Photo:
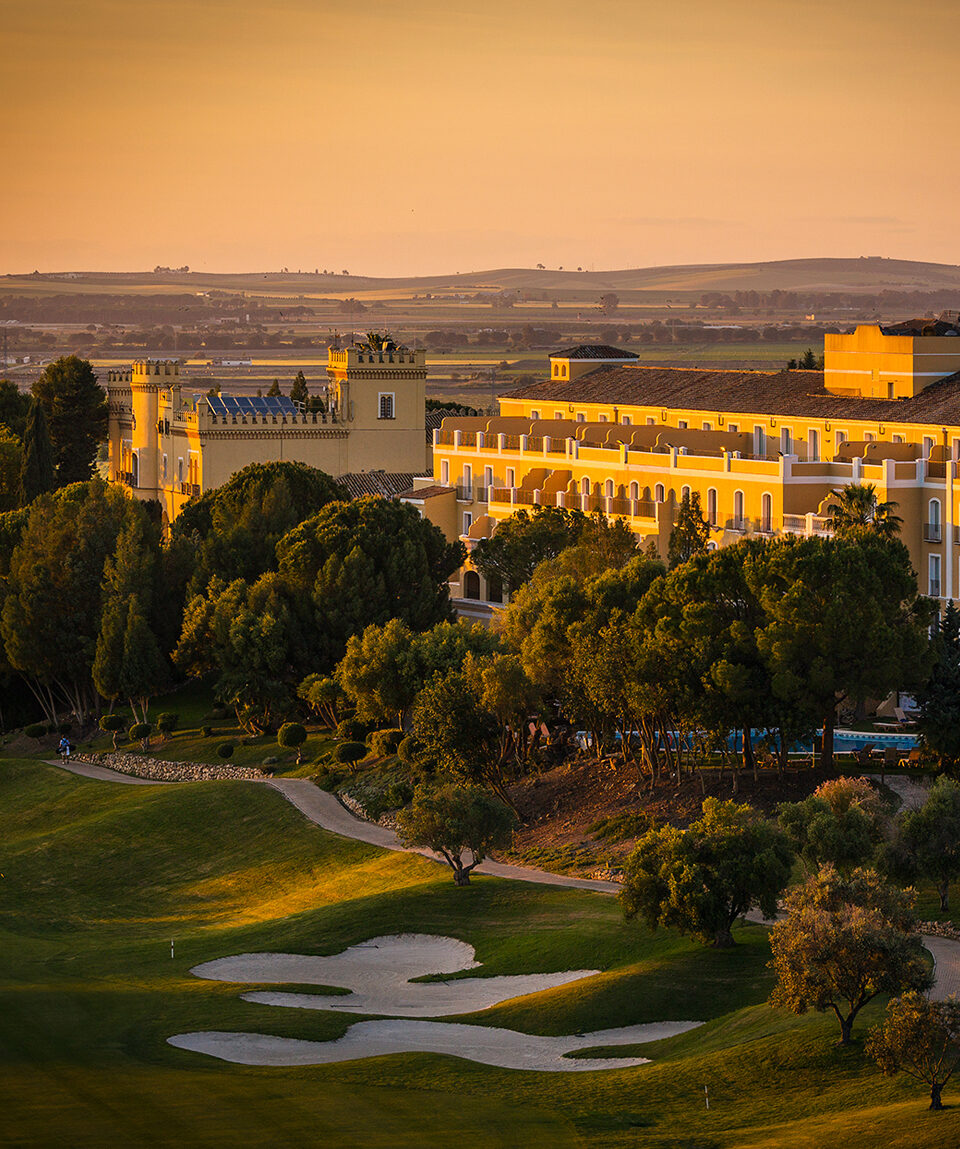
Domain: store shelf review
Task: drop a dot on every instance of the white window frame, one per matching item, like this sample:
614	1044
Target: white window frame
467	521
813	445
933	576
386	399
445	472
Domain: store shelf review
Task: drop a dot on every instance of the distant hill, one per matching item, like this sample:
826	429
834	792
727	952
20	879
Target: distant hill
868	275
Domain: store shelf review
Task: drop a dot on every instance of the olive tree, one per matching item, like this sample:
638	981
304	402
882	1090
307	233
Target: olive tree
457	819
920	1037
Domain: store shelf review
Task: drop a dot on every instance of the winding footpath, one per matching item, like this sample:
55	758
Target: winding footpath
323	809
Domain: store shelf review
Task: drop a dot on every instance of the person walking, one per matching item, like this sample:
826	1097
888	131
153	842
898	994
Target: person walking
65	747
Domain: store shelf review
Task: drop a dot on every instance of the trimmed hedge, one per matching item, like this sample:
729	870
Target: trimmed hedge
350	730
384	742
349	752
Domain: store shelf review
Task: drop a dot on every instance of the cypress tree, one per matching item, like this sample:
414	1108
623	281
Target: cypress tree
299	392
37	472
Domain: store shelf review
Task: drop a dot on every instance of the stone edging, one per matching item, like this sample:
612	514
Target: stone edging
940	930
359	811
140	766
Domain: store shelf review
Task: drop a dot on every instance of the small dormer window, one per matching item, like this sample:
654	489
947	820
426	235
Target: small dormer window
386	406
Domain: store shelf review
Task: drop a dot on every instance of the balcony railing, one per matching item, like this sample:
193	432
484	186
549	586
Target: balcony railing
127	478
934	591
931	532
190	489
465	494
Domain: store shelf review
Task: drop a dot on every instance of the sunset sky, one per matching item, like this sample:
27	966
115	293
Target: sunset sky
421	136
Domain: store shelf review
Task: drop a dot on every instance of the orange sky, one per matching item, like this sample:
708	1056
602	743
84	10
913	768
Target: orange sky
419	136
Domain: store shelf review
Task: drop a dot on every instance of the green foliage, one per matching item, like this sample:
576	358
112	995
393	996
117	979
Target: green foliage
38	473
844	941
456	818
525	540
236	527
351	730
349	752
14	407
51	614
225	750
408	751
76	409
927	843
366	562
920	1037
206	731
385	668
298	390
291	736
855	510
35	730
322	693
384	742
167	722
11	456
700	880
112	724
140	732
840	823
939	698
690	532
252	638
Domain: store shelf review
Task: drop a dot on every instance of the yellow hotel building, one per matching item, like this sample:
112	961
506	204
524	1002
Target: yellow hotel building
764	449
169	445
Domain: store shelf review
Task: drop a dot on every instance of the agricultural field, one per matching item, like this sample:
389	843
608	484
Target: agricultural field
98	879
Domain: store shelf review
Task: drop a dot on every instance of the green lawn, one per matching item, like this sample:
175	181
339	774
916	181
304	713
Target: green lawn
98	878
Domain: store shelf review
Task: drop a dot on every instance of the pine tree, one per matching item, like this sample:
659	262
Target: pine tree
76	408
690	533
299	392
142	670
37	472
939	700
275	388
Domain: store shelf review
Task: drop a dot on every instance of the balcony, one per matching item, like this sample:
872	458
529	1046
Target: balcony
189	489
931	532
127	478
934	591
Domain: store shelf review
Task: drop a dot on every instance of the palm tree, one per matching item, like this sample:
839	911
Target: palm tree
856	509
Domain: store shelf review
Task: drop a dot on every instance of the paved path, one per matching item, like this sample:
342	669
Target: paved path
325	811
910	793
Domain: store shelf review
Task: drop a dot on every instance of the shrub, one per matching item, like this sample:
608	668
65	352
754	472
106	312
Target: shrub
167	723
206	731
225	749
384	742
64	727
35	730
112	724
349	752
351	730
140	732
270	760
408	750
291	736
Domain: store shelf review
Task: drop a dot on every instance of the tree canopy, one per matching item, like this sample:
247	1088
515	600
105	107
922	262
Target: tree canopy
525	540
76	409
700	880
921	1038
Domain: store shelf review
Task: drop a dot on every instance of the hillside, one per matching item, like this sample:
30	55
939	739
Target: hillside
863	275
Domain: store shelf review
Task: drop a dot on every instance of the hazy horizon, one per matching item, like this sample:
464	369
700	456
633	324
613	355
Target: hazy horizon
434	138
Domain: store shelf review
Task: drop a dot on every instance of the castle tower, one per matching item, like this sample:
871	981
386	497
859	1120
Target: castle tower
376	389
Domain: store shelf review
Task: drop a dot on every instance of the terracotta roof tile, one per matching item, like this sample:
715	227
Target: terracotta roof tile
593	351
787	393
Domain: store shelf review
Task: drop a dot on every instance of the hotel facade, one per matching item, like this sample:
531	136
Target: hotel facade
764	450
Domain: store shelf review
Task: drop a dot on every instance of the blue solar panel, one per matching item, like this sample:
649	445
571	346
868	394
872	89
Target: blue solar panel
258	405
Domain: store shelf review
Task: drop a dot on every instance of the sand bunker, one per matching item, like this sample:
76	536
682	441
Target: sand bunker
501	1047
378	972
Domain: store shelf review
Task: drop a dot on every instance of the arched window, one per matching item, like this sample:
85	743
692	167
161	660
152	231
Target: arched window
471	584
659	493
932	532
626	420
494	589
445	472
712	506
927	446
488	476
813	445
766	513
584	486
135	468
684	493
608	488
786	442
634	490
738	523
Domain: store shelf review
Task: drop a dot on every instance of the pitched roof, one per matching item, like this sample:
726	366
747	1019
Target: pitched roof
939	326
386	483
593	351
786	393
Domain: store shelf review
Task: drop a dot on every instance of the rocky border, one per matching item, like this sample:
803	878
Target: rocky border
140	766
358	809
940	930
